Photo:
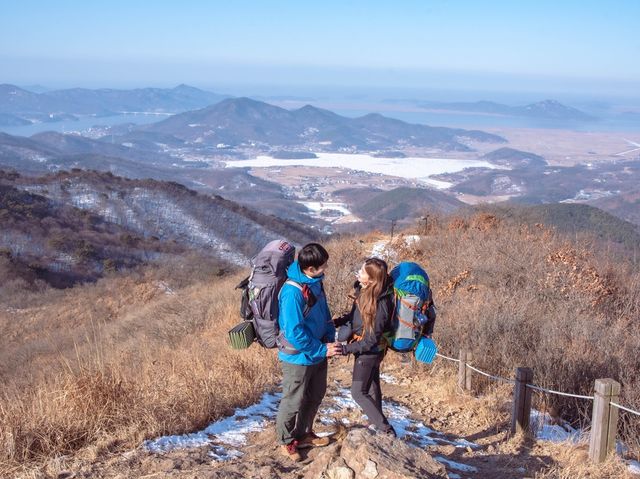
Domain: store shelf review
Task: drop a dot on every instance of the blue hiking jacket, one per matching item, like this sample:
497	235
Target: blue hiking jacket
308	335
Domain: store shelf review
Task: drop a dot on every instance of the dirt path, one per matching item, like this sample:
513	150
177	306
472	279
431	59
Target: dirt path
420	402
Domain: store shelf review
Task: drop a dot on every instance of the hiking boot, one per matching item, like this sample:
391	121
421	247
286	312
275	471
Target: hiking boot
311	439
291	451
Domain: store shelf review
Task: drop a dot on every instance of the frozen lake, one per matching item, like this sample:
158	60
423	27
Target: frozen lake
413	168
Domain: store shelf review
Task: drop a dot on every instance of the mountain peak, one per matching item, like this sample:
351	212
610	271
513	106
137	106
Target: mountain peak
244	105
310	111
309	107
546	104
242	120
8	89
556	110
242	100
184	87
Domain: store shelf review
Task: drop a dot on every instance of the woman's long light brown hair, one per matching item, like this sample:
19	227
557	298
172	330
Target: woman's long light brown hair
368	299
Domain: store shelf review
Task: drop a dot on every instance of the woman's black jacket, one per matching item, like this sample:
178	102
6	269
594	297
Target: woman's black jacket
351	325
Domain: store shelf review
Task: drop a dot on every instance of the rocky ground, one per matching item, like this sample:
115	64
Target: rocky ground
442	433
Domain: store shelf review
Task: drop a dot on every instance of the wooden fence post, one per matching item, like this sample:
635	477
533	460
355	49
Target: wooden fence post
464	373
604	421
462	369
468	373
521	401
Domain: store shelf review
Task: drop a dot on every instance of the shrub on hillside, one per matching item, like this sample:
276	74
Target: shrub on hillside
516	295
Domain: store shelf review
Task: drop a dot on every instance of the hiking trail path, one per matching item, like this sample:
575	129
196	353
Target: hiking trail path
243	445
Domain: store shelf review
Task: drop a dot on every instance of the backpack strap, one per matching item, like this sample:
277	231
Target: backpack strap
295	284
308	296
407	304
309	301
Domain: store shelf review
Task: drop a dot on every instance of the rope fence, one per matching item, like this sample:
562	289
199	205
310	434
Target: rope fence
497	378
559	393
605	405
624	408
448	358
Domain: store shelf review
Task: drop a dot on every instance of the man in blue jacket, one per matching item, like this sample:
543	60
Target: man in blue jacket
306	341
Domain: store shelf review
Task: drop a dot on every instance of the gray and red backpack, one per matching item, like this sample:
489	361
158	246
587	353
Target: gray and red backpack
261	289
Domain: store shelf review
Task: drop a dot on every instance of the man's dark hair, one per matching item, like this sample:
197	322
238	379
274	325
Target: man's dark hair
312	254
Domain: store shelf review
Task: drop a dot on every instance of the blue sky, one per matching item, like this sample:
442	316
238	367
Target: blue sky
369	43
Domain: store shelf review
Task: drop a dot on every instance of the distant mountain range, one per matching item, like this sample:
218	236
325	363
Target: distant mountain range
51	151
243	121
7	119
611	186
81	222
27	105
546	109
19	106
142	158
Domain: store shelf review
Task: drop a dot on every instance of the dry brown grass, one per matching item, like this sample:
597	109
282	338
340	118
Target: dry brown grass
524	296
491	411
102	367
138	365
573	463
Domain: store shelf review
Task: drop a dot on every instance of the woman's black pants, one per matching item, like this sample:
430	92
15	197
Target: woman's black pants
365	390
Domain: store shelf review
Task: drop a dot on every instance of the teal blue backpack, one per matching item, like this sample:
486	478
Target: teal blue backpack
414	314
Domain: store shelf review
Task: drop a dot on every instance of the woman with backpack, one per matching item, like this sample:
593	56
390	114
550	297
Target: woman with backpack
363	328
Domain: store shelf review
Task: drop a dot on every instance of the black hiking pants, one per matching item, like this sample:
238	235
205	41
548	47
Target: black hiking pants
303	388
365	390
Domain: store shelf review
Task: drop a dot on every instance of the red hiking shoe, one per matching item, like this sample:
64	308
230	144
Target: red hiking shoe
291	451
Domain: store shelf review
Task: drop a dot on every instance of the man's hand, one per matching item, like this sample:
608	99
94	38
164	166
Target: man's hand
334	349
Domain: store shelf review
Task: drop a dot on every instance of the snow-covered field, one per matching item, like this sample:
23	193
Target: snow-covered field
411	168
584	195
319	206
332	212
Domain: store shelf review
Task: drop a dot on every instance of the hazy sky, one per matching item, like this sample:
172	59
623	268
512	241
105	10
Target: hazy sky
458	43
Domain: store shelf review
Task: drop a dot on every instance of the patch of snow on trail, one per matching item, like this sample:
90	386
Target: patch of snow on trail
412	430
455	465
388	378
231	431
227	435
384	249
379	250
